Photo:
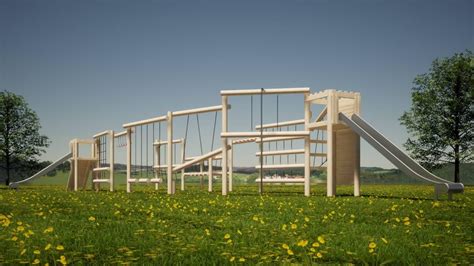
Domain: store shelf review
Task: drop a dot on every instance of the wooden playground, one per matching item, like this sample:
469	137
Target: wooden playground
328	140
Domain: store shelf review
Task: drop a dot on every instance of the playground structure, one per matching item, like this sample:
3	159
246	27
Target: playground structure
336	130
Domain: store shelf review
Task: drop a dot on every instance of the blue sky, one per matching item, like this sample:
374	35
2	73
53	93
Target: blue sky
87	66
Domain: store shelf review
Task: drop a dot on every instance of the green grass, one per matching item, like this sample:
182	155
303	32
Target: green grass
196	227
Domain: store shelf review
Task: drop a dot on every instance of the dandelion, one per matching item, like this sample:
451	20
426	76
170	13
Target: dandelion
319	255
232	259
48	230
290	252
372	245
242	259
321	240
239	232
59	247
227	236
48	246
14	238
283	227
285	246
294	226
36	261
315	244
23	251
306	219
92	219
208	233
63	260
37	252
302	243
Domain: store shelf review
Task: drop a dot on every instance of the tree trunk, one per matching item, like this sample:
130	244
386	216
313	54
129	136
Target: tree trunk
457	164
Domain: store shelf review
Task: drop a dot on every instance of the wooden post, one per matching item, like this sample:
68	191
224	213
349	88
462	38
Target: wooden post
169	160
224	146
129	159
76	169
156	150
231	165
183	147
357	150
307	149
210	175
112	160
331	144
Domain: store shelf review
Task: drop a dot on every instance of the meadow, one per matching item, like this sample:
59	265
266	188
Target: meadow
388	224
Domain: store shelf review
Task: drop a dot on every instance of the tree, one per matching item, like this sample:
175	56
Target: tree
441	119
20	140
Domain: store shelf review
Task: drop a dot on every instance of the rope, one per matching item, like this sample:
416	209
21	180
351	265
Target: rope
186	136
199	131
214	131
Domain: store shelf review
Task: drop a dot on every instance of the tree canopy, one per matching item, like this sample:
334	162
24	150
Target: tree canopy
20	140
441	119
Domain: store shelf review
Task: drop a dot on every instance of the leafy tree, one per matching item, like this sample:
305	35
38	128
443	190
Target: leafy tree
20	140
441	119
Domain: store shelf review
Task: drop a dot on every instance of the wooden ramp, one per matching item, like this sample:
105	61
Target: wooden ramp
84	170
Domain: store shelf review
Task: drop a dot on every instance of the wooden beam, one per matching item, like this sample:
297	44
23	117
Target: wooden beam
123	133
265	134
165	142
198	159
265	91
317	95
285	166
317	125
101	134
242	141
282	124
145	121
216	108
283	180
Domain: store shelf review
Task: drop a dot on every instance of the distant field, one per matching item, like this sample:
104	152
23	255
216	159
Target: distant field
389	224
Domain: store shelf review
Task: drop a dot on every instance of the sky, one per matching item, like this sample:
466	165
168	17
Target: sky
88	66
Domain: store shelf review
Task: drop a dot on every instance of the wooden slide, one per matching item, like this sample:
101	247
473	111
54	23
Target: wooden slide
84	170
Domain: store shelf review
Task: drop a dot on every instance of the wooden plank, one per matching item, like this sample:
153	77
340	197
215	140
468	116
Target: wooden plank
216	108
100	181
123	133
100	169
317	125
165	142
265	91
284	166
280	152
101	134
283	180
242	141
198	159
317	95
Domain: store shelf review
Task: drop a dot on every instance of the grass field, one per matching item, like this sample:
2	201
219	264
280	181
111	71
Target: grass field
391	224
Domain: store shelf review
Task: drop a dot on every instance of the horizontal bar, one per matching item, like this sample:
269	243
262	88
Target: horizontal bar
101	181
102	133
83	141
281	152
257	140
265	91
162	166
265	134
284	166
281	180
99	169
145	121
282	124
120	134
164	142
242	141
198	110
217	157
85	159
144	180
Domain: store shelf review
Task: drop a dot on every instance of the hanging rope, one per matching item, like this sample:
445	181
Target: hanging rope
214	131
199	131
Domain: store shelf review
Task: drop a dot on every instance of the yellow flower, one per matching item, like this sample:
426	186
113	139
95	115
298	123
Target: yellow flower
319	255
36	261
306	219
207	232
232	259
372	245
23	251
321	240
290	252
315	244
283	227
406	223
59	247
92	218
48	230
371	250
227	236
14	238
303	243
63	260
384	240
48	246
242	259
37	252
285	246
294	226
